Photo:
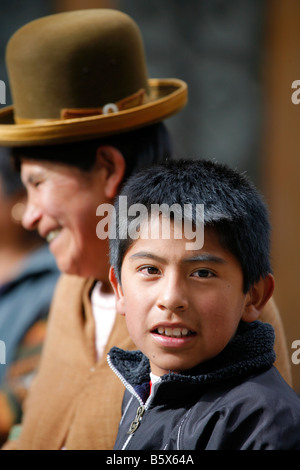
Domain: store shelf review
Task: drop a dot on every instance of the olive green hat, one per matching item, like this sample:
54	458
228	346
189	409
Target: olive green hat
80	75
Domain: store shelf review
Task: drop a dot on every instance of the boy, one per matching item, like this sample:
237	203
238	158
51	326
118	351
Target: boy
192	309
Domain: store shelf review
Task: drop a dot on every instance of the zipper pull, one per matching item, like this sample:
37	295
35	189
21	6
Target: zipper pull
137	420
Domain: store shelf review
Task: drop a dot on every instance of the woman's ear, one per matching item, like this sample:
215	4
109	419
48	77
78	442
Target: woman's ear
257	297
112	160
120	302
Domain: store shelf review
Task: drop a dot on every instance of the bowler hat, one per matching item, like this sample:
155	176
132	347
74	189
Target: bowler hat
80	75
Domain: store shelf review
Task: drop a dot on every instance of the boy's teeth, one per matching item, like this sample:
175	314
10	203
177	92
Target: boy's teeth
174	332
177	332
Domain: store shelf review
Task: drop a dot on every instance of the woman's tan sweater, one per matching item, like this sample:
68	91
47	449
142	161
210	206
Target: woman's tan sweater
75	402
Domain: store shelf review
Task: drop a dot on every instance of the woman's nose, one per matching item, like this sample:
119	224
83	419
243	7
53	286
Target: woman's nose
31	216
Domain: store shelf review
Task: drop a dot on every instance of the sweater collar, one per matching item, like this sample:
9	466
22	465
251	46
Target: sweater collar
250	351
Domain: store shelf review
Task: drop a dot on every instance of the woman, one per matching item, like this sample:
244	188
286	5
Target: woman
27	271
96	129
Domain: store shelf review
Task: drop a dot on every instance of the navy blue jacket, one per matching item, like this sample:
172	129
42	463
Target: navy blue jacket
237	400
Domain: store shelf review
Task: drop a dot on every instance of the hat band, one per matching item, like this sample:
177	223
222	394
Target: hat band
132	101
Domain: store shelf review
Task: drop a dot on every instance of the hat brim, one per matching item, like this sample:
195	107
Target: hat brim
168	96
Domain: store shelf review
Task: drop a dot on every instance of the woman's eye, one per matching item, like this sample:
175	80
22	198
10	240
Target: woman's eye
203	273
35	183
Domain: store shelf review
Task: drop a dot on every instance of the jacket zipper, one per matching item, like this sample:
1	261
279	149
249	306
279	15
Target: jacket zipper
141	409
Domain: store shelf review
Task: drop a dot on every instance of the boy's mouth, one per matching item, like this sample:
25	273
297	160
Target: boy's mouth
173	332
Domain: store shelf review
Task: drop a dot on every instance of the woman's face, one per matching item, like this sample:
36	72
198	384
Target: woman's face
62	203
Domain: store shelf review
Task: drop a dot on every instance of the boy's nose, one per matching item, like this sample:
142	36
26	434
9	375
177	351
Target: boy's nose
173	296
31	216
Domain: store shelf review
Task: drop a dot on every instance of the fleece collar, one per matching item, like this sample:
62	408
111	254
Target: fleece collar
250	351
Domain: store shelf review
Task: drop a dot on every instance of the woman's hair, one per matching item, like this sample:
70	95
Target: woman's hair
141	148
233	208
10	179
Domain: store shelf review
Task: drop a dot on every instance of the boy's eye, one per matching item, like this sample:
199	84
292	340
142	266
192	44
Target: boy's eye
203	273
149	270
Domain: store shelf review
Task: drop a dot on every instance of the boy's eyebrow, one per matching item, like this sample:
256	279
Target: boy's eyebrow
195	258
205	257
146	254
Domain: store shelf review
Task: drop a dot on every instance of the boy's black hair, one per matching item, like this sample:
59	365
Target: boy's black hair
232	207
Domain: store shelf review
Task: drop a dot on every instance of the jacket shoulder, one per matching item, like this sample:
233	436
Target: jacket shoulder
262	412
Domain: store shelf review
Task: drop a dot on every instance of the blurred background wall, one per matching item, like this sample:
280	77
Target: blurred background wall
239	58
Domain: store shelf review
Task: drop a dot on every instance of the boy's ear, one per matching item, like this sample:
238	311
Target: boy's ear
120	302
257	297
112	160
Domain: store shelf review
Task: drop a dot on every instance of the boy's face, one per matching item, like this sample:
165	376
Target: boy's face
182	307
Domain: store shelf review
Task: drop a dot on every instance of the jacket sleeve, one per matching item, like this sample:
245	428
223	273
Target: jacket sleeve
257	431
262	413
